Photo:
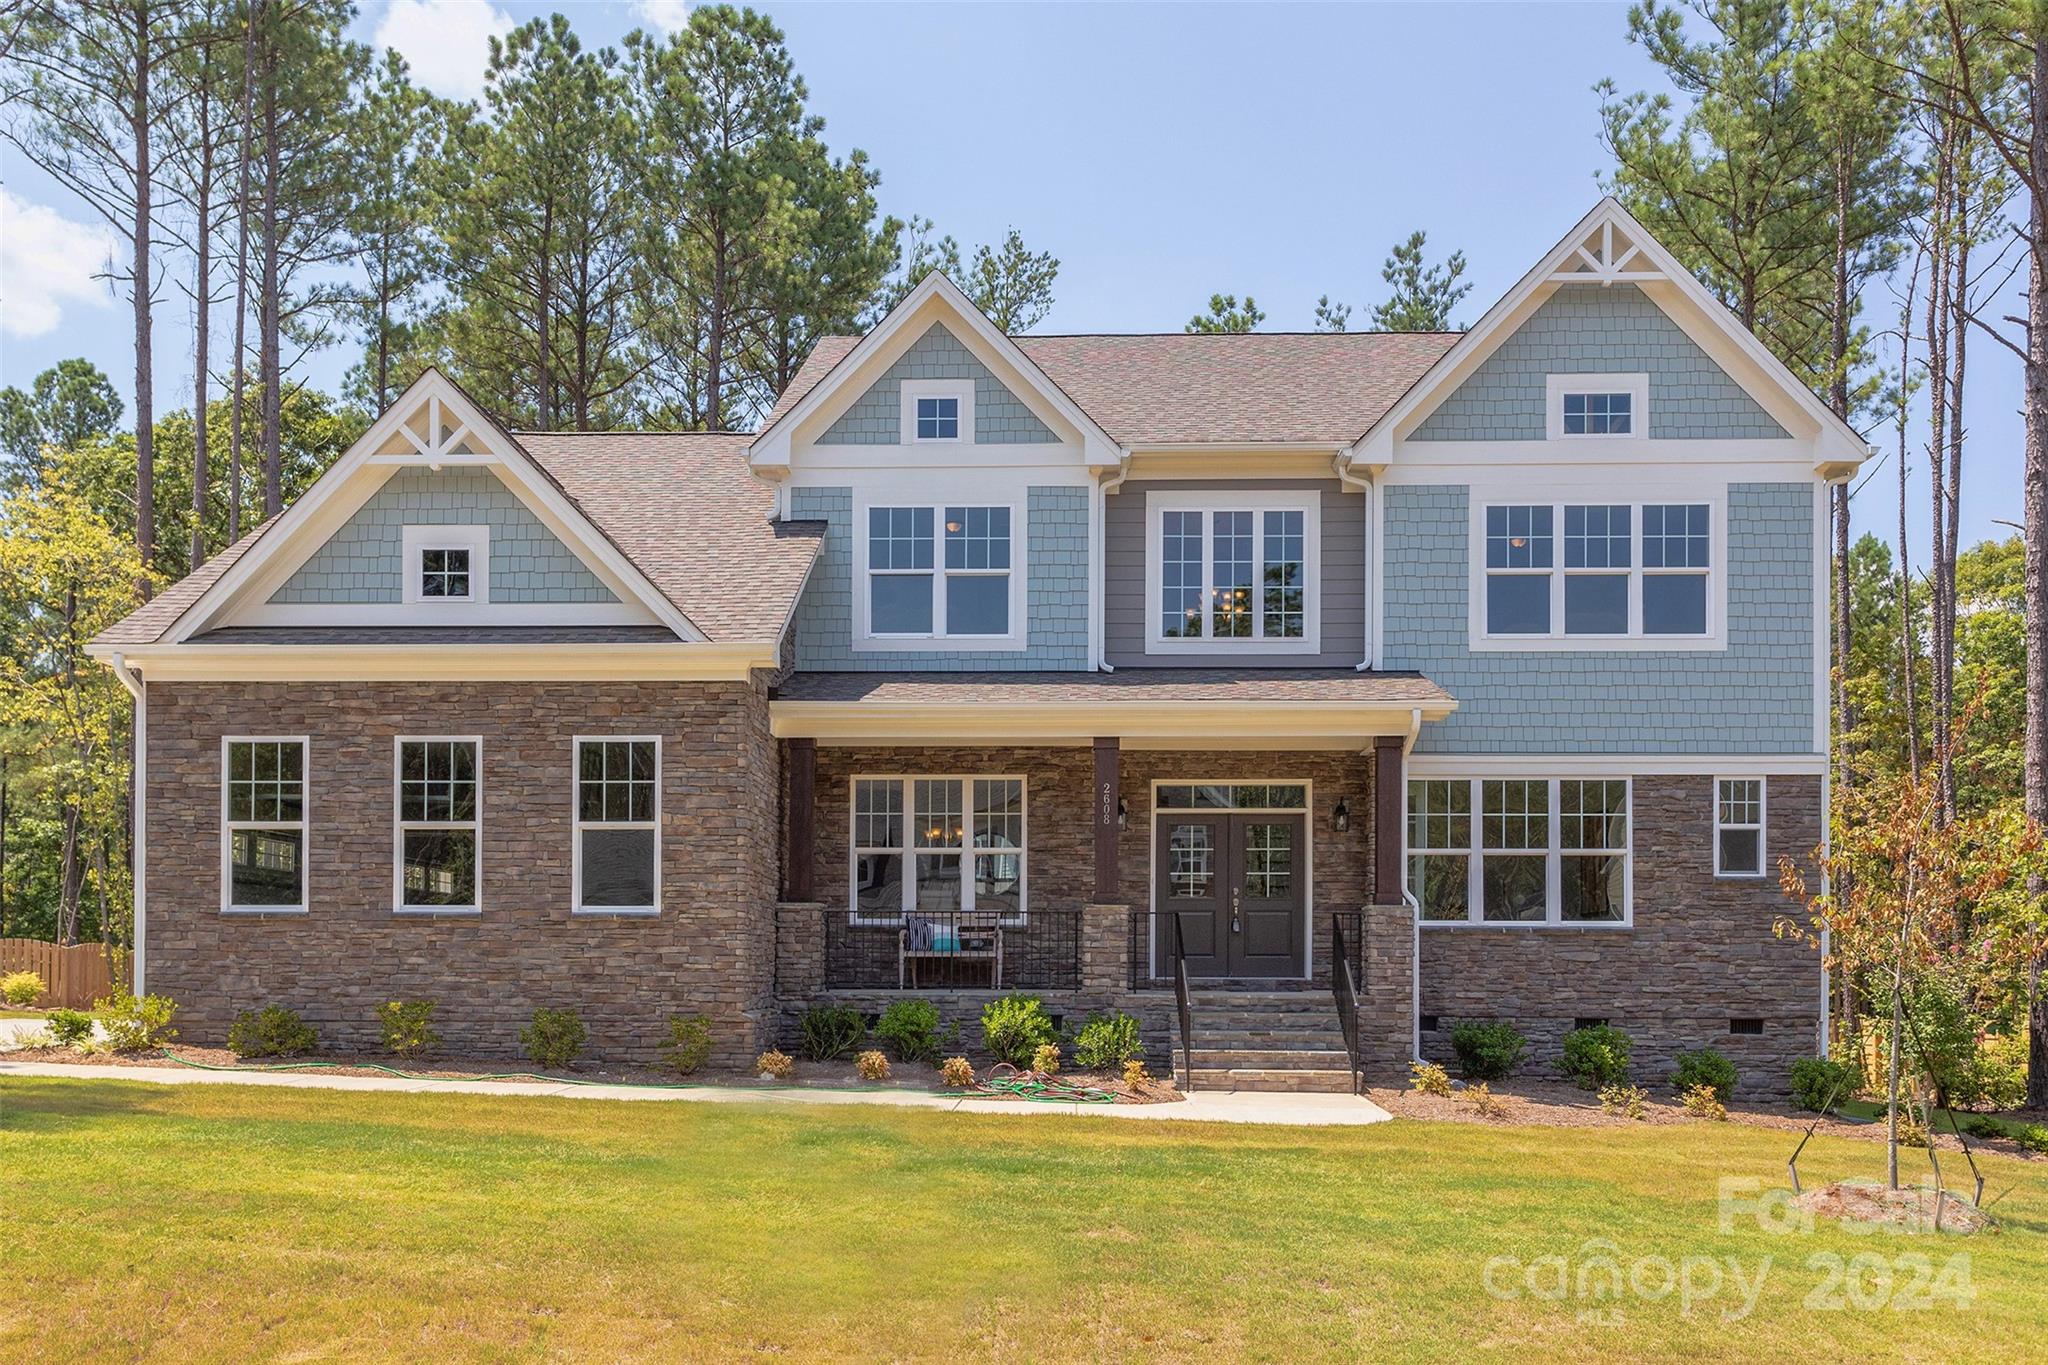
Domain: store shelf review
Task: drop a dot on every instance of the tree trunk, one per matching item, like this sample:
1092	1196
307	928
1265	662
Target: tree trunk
2035	480
269	307
145	380
714	350
71	879
202	303
238	381
4	774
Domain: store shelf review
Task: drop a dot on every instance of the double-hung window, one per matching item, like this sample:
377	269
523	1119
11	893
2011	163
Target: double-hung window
1739	827
618	826
438	820
1624	572
263	825
940	572
1519	850
938	845
1233	573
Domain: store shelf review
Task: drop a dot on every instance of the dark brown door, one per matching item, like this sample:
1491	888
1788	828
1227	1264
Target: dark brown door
1237	884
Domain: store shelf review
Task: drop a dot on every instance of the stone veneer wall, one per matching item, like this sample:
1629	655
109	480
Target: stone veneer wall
710	951
1701	952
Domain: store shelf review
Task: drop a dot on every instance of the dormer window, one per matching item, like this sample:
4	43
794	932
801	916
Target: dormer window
447	565
938	412
1597	407
938	419
444	573
1598	414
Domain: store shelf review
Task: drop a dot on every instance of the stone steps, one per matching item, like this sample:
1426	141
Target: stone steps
1268	1041
1263	1079
1271	1059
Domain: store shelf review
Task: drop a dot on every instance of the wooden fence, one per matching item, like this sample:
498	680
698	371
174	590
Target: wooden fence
76	976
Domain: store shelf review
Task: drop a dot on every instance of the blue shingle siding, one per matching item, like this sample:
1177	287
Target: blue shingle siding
876	418
1591	329
1055	594
1756	696
363	561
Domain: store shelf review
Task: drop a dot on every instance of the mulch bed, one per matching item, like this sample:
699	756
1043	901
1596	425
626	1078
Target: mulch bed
1912	1207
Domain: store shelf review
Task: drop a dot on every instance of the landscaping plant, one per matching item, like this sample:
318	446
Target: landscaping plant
1106	1041
1046	1059
956	1072
136	1024
1702	1101
1427	1078
69	1028
911	1029
1627	1101
1483	1101
407	1027
1819	1083
554	1039
1015	1027
21	989
1705	1067
1487	1051
272	1031
689	1044
1134	1073
775	1064
831	1032
871	1065
1596	1057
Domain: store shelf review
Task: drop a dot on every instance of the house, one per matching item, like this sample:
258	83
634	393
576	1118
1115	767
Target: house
1474	675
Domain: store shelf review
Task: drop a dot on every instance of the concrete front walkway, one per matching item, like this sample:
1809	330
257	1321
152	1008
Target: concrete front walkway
1235	1106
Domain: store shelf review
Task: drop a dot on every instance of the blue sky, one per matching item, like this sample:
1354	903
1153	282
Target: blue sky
1161	152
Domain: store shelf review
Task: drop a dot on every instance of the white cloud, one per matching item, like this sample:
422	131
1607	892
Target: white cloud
46	261
447	43
664	15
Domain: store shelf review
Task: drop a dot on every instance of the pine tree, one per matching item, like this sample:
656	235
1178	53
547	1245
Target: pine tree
399	127
1423	296
1225	316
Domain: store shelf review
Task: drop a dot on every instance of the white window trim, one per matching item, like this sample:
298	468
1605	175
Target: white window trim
1636	386
1716	636
865	638
1553	890
1307	501
909	849
302	825
416	540
914	389
1762	828
400	825
578	825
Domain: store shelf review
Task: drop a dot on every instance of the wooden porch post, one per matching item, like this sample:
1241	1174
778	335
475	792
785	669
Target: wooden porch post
1105	802
1388	782
798	876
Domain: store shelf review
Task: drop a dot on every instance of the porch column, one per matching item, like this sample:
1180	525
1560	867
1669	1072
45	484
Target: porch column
799	874
1104	803
1388	782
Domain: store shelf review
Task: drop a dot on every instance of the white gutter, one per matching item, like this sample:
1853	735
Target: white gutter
139	690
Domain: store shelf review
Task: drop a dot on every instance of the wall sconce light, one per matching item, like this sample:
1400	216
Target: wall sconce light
1123	814
1340	818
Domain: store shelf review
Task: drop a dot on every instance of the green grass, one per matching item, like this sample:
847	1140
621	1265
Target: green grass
235	1223
6	1013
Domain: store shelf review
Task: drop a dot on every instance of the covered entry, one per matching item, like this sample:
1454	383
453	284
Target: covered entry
1232	863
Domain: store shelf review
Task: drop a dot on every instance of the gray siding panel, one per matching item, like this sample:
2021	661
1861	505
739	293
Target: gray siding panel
1341	585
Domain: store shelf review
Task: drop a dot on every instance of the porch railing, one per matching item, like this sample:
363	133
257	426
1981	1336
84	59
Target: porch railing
1347	945
1185	1010
1037	950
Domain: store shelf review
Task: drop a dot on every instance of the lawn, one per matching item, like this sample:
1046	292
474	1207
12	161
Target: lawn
220	1222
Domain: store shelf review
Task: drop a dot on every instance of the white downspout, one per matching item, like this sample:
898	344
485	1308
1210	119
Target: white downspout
132	680
1098	570
1369	628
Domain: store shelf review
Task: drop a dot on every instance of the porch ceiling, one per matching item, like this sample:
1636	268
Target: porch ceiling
1145	708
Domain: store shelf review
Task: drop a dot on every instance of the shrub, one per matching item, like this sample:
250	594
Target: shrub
775	1064
136	1024
1703	1102
1045	1059
911	1029
1705	1067
689	1044
1629	1101
69	1028
871	1066
1427	1078
1996	1076
1483	1101
1941	1039
1820	1083
554	1039
831	1032
957	1072
1487	1051
1015	1027
21	988
1134	1073
1107	1041
272	1031
1596	1057
1912	1132
407	1027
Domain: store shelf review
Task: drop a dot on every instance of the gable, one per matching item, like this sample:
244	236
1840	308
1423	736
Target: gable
876	416
1599	329
363	561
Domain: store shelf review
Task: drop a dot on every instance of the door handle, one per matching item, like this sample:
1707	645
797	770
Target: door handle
1235	893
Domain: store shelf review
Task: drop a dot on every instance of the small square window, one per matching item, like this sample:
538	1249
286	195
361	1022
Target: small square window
1599	414
444	573
938	419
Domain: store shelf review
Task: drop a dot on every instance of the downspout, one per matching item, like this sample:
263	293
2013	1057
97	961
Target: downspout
1098	544
1408	898
132	680
1340	464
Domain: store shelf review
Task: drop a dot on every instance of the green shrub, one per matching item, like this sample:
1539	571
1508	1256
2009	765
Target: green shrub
21	988
554	1039
1045	1059
1625	1101
1106	1041
136	1024
1596	1057
2032	1136
407	1027
69	1028
1704	1068
911	1029
1821	1083
273	1031
1487	1051
830	1032
1940	1041
689	1044
1015	1027
1996	1076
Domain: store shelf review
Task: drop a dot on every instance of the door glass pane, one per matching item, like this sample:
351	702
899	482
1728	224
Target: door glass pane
266	867
1190	862
1268	860
618	867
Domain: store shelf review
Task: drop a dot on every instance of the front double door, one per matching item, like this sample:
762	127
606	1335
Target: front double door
1238	885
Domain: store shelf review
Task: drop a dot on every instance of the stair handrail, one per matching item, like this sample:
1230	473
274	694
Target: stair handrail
1178	949
1344	986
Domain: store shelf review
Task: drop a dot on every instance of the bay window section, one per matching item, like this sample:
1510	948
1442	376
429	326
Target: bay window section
264	825
938	845
1236	575
438	826
1541	851
618	826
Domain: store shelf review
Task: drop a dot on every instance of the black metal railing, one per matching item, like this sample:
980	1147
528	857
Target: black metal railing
1347	946
1038	950
1181	1004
